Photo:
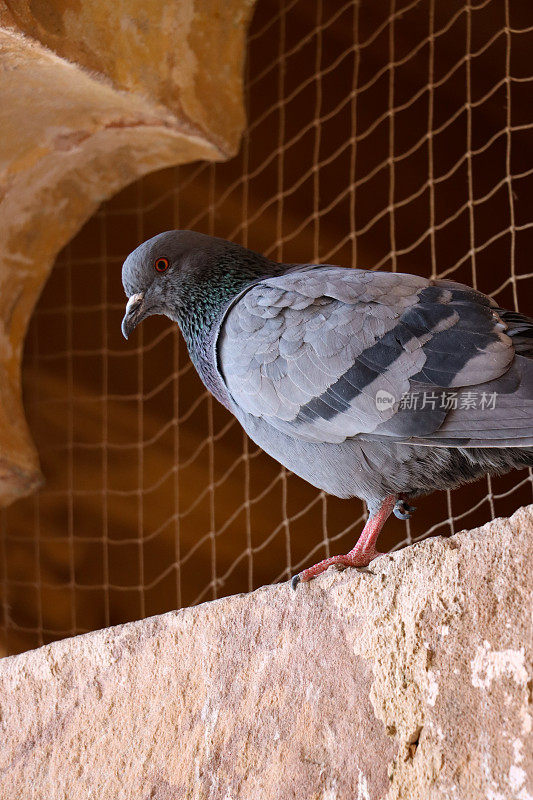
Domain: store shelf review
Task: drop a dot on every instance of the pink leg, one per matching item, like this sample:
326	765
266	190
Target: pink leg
364	551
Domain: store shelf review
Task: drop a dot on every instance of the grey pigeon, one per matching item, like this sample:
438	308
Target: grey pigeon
378	385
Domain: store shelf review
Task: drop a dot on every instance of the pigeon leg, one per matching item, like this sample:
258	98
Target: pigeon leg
364	551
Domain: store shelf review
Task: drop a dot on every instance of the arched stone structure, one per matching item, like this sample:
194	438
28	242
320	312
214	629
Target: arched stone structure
92	96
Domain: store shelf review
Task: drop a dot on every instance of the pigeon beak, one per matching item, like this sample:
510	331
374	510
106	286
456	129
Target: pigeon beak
135	309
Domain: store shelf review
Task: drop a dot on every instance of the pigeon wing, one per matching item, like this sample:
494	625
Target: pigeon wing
327	353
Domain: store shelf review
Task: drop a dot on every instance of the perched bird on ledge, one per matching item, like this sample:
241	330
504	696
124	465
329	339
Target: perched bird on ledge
377	385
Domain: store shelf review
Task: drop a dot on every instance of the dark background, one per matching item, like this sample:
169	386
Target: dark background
386	135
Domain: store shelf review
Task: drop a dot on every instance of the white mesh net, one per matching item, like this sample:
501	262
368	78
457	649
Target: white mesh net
389	135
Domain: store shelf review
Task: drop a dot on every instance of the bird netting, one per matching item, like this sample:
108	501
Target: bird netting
388	135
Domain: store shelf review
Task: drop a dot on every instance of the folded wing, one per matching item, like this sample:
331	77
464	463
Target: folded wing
326	354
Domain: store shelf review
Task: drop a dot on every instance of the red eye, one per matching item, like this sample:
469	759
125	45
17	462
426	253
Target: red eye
161	264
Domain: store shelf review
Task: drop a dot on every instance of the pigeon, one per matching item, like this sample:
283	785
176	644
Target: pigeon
370	384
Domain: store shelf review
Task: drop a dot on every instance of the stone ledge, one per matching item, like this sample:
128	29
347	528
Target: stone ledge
413	682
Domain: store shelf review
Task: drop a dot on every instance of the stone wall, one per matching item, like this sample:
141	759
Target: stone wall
410	682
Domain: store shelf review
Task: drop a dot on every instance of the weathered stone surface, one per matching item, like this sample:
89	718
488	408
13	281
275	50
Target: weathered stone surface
412	682
102	93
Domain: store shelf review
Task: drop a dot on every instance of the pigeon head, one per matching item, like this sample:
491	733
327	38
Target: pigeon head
188	277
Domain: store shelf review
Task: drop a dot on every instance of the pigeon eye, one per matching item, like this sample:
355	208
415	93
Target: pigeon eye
161	264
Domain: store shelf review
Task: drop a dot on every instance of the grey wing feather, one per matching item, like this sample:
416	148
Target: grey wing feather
309	351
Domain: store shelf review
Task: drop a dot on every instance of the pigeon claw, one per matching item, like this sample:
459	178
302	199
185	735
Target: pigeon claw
295	580
403	510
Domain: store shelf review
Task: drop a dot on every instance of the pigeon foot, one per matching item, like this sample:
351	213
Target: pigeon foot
359	562
403	510
362	554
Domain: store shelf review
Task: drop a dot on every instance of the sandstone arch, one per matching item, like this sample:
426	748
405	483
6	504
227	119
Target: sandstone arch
92	96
